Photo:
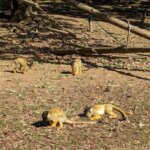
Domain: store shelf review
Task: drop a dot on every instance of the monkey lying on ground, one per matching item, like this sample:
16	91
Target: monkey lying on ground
22	65
77	66
57	116
97	111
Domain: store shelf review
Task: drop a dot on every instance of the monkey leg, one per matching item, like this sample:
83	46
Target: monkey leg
23	69
80	70
96	117
112	115
75	72
60	125
54	123
17	68
26	69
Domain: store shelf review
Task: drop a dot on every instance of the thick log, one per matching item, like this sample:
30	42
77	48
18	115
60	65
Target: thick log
101	50
90	51
108	18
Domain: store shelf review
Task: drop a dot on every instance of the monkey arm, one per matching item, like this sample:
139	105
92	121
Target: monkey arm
60	125
96	117
54	123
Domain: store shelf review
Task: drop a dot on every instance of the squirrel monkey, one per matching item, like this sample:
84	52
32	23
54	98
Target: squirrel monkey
22	65
77	66
97	111
57	116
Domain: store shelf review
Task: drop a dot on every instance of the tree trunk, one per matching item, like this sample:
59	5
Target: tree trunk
110	19
24	9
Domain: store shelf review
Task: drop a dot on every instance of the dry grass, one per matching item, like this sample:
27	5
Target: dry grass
25	97
120	79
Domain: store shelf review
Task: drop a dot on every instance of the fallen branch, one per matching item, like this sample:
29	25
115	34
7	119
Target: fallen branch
108	18
88	51
102	50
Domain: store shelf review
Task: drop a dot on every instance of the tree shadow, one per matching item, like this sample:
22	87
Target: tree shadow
10	71
4	16
127	73
2	43
118	71
66	72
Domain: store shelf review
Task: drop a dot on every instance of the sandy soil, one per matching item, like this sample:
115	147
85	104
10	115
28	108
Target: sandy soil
122	79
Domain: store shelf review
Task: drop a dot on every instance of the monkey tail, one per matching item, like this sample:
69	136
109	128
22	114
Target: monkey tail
85	69
79	122
121	111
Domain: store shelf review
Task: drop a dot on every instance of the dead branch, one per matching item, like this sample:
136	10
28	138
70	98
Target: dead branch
102	50
108	18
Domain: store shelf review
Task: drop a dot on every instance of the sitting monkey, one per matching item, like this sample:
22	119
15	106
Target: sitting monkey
22	65
77	66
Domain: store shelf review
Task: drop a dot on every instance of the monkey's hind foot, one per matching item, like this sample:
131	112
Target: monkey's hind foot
60	126
113	117
53	124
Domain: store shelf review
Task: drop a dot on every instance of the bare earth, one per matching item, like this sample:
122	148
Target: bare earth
122	79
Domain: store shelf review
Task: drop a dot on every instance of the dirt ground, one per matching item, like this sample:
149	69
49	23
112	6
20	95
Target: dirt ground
121	79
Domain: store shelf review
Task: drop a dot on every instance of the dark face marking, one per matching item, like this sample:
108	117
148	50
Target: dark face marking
30	63
44	115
